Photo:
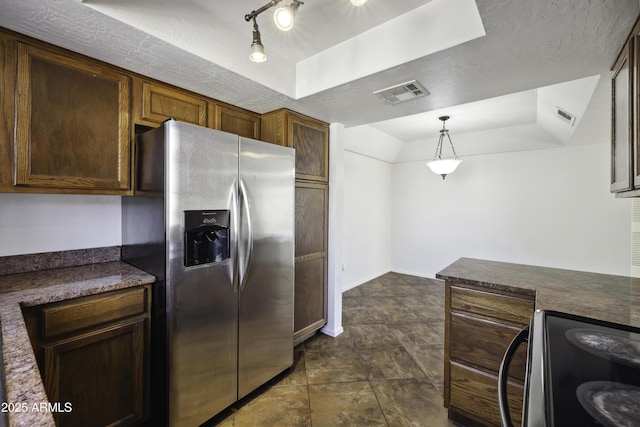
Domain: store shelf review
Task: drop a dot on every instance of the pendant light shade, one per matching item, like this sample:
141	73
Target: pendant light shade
443	166
439	165
358	2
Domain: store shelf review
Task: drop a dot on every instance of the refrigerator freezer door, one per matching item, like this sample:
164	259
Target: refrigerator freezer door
201	174
266	248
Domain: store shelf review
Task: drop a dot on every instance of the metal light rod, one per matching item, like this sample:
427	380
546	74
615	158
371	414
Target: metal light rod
249	16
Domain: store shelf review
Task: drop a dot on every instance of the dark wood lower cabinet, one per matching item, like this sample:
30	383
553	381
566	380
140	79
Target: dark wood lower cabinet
99	374
479	325
310	259
93	355
310	310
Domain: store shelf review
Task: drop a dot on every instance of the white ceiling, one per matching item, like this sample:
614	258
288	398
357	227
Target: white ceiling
494	66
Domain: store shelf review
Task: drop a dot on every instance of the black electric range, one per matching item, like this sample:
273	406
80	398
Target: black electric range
581	372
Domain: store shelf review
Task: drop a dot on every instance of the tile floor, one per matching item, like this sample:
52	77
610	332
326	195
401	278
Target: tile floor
384	370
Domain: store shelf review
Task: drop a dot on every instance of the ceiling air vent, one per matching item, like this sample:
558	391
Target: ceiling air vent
402	92
565	117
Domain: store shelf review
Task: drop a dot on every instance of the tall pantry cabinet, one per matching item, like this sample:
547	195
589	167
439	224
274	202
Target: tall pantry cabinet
310	138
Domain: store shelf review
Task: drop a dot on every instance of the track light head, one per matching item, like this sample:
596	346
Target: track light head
285	15
257	49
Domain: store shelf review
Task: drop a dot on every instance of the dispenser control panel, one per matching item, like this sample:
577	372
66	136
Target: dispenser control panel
206	236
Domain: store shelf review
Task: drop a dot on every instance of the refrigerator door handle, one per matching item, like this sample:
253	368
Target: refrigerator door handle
244	262
233	266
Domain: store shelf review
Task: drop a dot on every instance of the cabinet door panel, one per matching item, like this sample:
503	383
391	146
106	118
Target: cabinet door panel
236	121
622	121
7	115
310	295
310	259
155	103
311	208
311	142
72	123
101	369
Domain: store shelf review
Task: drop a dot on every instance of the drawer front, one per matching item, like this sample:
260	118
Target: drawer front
475	394
497	306
482	343
86	312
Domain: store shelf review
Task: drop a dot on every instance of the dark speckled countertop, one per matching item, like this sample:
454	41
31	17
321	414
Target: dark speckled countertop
599	296
24	384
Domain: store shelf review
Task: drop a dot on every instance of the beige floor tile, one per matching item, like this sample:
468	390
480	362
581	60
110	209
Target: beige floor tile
371	336
411	402
278	406
389	363
345	404
420	333
331	366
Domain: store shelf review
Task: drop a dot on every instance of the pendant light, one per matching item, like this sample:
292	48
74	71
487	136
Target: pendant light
358	2
439	165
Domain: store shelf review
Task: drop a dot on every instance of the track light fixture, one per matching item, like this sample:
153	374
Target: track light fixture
283	18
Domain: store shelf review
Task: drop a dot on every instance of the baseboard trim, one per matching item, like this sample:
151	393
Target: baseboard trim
332	332
360	282
413	273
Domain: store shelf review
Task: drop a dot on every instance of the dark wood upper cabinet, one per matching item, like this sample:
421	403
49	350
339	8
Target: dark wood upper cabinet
155	102
7	108
234	120
72	122
622	120
308	136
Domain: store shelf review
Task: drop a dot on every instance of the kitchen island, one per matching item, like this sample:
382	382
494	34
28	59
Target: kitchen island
488	302
27	401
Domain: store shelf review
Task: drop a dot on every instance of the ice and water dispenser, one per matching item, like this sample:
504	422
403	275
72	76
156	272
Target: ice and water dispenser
206	236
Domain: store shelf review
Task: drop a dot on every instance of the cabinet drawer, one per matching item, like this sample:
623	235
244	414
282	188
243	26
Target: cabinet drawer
82	313
497	306
482	343
475	394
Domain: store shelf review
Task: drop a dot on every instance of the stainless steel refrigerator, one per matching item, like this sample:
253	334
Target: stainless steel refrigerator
212	217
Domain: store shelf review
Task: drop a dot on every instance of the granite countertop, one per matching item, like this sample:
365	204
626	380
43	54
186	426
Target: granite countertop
24	384
599	296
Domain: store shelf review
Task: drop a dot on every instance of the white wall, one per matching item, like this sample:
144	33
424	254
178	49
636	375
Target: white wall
367	218
545	207
34	223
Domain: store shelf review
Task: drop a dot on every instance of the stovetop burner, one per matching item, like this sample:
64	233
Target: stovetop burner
611	404
613	346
